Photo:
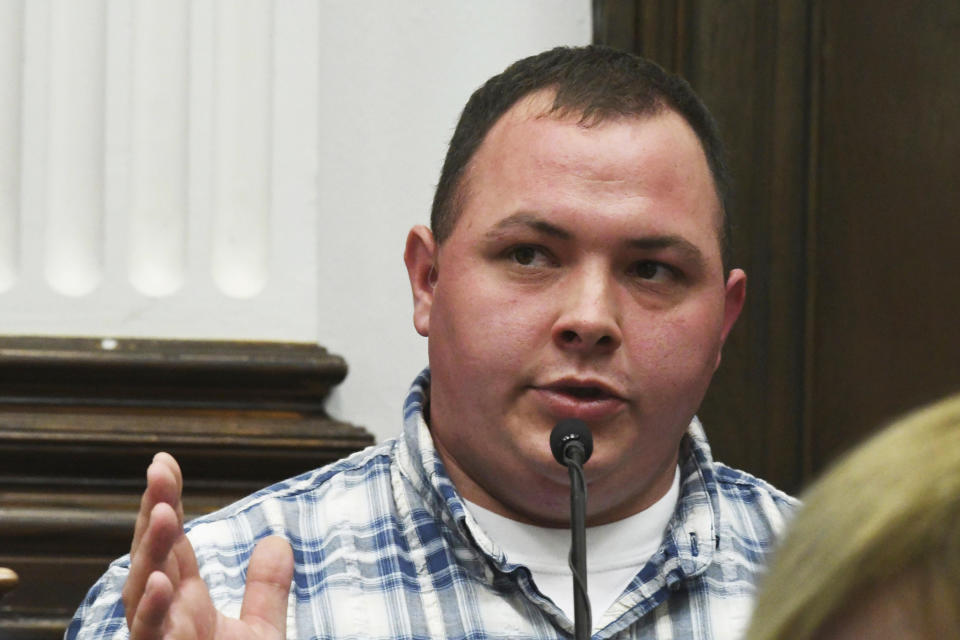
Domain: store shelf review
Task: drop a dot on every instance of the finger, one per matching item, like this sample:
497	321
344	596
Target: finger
162	532
268	586
185	558
164	484
148	619
191	613
172	464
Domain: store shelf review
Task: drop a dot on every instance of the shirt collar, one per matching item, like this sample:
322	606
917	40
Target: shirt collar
691	536
696	522
418	457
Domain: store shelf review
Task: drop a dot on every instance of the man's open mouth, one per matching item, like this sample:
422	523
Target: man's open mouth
590	400
587	393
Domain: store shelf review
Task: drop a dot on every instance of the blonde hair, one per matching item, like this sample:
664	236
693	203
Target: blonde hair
888	510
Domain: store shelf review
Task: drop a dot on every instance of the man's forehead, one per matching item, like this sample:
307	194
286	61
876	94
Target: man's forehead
512	135
508	136
521	132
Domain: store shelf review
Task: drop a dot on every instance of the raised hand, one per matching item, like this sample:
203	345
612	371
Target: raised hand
164	595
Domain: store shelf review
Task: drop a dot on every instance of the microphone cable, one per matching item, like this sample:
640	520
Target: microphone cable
572	444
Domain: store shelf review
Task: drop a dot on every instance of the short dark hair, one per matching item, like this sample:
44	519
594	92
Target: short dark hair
595	82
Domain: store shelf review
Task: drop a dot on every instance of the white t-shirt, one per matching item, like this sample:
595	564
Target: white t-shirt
615	551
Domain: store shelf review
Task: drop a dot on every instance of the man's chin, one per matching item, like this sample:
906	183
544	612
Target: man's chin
544	511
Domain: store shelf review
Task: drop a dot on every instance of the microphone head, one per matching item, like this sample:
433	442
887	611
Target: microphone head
570	430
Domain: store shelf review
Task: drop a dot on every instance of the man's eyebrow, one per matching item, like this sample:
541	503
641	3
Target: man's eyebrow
529	221
675	243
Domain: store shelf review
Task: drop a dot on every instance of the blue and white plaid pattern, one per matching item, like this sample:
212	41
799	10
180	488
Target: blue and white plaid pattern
384	548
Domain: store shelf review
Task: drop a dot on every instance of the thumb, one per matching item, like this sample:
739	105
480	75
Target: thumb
268	585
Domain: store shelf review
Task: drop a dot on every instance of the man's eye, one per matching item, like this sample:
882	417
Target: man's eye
650	270
526	255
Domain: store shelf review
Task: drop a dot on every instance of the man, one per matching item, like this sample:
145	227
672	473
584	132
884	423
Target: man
575	268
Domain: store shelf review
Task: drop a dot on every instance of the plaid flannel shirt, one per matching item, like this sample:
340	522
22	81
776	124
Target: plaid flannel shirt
384	548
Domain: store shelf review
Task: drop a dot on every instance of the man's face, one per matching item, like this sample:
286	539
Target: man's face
582	279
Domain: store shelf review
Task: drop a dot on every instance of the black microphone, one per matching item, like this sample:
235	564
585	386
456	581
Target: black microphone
572	444
571	437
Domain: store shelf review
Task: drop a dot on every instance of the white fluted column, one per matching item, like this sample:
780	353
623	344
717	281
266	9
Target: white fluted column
242	149
11	99
75	146
139	142
159	168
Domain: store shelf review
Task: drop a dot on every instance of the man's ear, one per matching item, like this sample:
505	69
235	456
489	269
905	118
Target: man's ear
420	256
735	292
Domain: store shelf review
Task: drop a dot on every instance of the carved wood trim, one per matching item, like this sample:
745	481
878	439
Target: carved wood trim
165	373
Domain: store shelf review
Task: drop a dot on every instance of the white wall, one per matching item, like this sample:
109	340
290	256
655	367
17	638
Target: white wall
320	258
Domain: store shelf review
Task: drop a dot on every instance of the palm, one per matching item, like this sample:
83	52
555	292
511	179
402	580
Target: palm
193	617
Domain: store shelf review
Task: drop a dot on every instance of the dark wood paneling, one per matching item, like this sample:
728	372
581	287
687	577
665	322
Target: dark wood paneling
887	297
615	24
749	63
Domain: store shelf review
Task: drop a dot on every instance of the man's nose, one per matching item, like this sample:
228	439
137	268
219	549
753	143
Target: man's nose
588	320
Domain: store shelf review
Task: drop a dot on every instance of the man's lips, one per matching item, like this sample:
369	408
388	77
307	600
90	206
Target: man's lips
576	398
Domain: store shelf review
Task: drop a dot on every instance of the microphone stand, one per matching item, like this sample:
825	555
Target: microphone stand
573	457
